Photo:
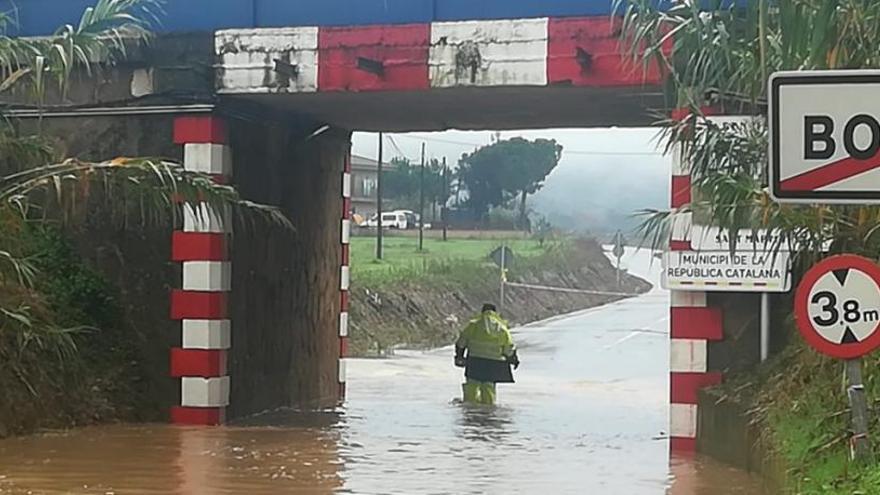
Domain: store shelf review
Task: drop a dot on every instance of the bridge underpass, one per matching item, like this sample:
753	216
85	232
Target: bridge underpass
259	321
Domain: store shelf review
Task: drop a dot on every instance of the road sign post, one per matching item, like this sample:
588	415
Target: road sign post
618	253
837	310
860	448
825	137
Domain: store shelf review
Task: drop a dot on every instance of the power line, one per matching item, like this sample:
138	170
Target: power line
573	152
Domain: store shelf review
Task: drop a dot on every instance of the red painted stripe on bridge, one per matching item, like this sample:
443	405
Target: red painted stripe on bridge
684	387
680	245
198	305
829	174
200	129
203	416
695	323
346	208
682	445
401	50
681	190
198	362
679	114
586	51
198	246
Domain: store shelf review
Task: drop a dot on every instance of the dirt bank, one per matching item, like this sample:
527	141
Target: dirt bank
428	310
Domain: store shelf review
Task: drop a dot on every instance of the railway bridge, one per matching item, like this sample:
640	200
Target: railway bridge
265	94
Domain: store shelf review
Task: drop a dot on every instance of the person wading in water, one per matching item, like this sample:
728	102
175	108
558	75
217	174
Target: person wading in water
486	351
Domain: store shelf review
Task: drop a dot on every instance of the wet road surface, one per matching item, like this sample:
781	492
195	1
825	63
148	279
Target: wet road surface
588	416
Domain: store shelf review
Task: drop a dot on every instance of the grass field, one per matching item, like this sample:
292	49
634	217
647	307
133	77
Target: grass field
402	260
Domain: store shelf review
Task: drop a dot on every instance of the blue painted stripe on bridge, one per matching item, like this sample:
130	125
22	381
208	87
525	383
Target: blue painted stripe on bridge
38	17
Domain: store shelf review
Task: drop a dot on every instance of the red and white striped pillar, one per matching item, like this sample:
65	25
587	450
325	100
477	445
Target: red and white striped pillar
692	326
201	304
344	273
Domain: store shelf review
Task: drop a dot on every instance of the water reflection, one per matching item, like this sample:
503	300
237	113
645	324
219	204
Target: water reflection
170	460
486	424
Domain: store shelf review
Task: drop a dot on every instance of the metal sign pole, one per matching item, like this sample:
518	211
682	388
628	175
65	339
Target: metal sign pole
765	325
860	448
618	253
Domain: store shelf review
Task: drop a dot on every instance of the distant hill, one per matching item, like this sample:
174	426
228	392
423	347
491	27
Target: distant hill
600	193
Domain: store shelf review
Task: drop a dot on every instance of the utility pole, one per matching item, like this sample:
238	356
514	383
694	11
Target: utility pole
503	277
422	202
379	202
444	214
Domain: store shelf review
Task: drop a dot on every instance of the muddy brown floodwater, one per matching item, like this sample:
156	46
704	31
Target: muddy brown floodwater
587	416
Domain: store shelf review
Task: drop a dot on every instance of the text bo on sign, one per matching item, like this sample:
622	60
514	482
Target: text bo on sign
825	136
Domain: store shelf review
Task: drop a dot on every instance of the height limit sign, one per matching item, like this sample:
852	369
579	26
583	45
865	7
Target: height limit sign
837	306
825	137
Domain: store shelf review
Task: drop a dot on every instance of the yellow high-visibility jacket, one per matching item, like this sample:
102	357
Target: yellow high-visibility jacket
487	336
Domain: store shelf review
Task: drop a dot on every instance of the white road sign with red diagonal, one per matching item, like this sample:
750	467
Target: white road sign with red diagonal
837	306
825	137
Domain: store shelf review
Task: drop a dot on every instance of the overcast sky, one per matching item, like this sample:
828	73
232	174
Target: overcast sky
604	175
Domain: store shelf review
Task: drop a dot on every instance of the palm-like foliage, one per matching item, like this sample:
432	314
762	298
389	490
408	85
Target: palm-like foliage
103	36
722	55
138	192
39	187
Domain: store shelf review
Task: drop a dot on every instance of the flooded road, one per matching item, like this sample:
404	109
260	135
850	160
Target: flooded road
588	416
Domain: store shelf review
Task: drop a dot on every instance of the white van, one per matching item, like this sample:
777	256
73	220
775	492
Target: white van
393	220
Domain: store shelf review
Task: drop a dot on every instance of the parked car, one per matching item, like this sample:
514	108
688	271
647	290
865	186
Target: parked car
392	220
413	219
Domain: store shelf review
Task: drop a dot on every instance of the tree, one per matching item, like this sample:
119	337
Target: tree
504	170
402	181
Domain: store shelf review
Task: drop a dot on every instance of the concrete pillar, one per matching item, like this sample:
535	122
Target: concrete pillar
692	325
201	304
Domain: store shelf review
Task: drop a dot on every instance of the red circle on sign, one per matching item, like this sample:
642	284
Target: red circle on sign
802	306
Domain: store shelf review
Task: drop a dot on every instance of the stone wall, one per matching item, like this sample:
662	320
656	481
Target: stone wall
285	289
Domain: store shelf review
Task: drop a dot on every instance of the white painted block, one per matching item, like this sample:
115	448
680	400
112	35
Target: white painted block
204	392
247	60
207	334
343	324
346	185
343	370
687	299
679	167
683	420
504	52
687	355
682	224
208	158
344	277
204	218
346	231
207	275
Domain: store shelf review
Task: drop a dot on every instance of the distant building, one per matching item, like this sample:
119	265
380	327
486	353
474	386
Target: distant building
364	180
